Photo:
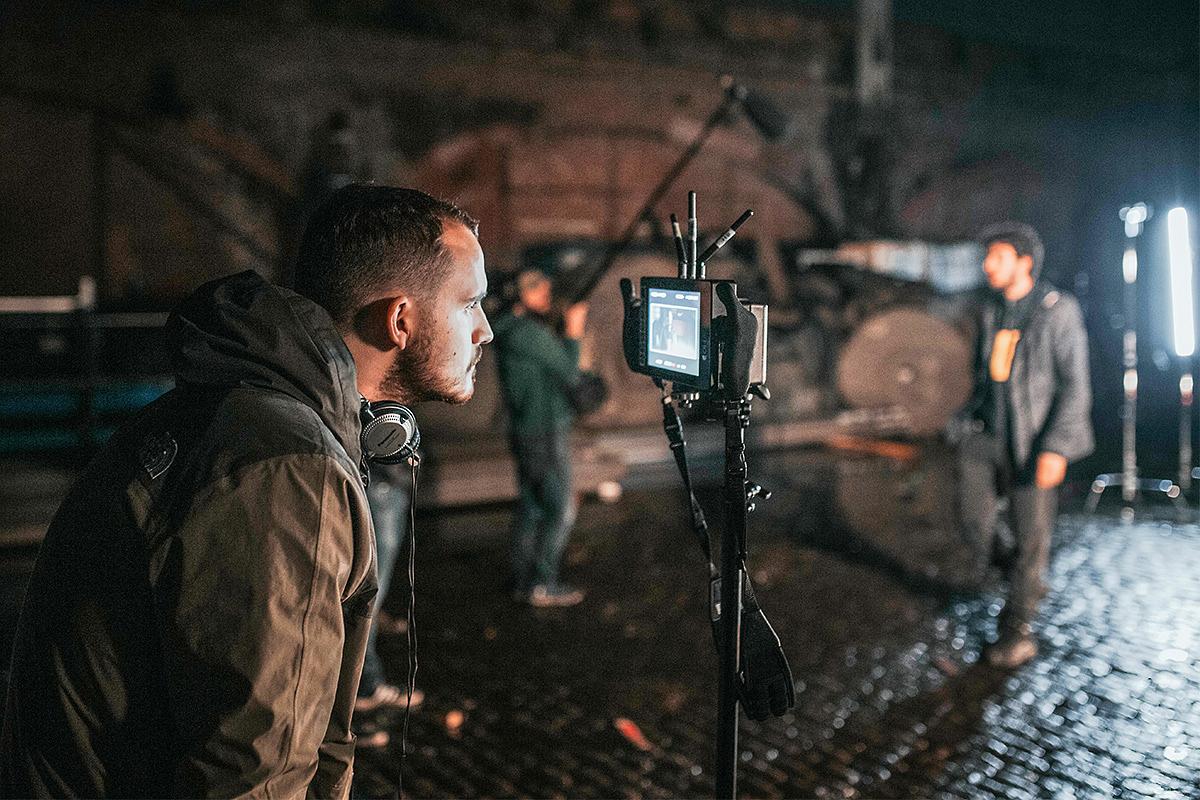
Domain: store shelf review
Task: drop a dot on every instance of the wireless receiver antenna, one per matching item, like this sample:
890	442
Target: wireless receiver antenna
693	264
722	240
680	255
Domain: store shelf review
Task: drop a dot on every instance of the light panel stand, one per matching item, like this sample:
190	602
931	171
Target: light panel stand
1131	484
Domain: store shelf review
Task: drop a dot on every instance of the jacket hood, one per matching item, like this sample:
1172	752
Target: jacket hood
241	331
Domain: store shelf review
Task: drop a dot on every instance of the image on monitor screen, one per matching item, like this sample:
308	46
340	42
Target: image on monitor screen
673	342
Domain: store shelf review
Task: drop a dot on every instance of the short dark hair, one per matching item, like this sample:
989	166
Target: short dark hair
1023	238
367	239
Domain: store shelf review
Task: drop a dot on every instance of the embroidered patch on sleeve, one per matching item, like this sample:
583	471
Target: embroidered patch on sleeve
157	453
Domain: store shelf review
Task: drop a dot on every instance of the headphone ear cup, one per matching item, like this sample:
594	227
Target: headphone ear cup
389	432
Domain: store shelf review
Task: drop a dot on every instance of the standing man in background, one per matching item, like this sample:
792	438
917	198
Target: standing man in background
537	368
1030	416
390	500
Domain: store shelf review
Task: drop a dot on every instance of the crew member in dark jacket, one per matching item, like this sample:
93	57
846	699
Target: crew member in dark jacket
536	368
1030	415
196	620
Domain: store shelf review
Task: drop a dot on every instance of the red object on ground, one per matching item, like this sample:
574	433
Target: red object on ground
632	733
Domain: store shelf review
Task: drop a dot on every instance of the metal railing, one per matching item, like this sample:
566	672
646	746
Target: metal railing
75	409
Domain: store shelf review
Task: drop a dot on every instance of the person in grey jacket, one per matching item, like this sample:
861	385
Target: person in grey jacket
1030	415
196	621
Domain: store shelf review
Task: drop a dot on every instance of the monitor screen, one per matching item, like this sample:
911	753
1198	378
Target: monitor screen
673	331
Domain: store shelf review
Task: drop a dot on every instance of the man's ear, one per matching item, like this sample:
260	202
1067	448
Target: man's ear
1026	263
401	321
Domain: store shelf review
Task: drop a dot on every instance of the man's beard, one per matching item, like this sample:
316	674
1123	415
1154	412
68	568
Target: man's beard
414	377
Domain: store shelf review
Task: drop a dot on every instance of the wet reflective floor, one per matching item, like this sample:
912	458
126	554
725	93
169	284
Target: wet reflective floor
880	624
857	564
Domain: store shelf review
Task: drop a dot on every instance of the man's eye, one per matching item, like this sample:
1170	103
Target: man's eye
472	304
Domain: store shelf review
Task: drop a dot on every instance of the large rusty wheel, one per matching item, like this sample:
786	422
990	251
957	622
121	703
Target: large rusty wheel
907	358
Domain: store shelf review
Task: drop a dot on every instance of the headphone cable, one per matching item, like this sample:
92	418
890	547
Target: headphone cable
411	684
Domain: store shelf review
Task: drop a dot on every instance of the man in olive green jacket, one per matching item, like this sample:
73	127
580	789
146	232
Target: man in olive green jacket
537	367
196	621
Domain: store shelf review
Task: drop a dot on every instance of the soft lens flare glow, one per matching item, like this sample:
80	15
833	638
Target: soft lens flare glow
1129	265
1181	282
1134	216
1130	381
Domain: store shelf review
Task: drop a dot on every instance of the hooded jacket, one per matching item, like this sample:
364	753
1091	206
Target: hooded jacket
196	621
535	368
1049	391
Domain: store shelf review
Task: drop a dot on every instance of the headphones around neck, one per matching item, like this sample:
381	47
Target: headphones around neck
389	432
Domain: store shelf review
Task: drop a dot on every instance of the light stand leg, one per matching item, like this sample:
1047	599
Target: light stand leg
1129	476
733	539
1127	479
1129	471
1185	433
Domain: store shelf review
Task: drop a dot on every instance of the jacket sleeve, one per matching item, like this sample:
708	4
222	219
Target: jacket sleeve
253	632
1069	429
559	358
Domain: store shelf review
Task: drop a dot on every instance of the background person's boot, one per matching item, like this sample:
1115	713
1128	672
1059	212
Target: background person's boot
1016	646
554	595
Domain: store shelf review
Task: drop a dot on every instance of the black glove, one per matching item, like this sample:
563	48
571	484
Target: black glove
766	687
765	684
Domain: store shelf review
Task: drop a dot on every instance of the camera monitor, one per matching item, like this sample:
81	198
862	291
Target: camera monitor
677	344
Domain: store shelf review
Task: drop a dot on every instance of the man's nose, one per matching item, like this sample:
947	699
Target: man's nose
484	334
